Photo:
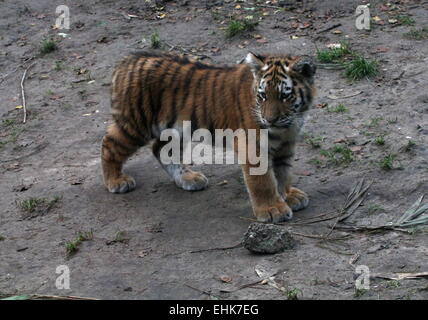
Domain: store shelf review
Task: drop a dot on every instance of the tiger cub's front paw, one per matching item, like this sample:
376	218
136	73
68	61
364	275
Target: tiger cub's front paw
297	199
121	185
277	212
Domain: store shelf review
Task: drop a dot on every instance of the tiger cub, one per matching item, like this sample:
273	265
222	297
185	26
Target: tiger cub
151	92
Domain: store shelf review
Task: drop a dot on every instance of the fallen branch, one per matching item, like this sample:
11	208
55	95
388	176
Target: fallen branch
23	92
401	276
316	236
269	6
200	291
330	28
248	285
218	249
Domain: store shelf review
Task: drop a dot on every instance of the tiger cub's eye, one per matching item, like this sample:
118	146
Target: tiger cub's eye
284	96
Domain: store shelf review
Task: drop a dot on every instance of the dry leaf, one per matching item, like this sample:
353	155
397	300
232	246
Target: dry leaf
356	149
144	252
226	279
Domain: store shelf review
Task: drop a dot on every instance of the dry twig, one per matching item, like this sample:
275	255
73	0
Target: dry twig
23	92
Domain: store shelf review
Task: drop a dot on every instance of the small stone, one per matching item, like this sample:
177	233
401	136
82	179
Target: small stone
267	238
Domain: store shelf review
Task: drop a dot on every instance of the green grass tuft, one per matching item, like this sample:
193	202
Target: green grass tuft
8	122
380	140
360	68
338	155
417	34
33	207
387	163
48	46
293	294
155	40
236	27
406	20
360	292
72	246
333	55
338	109
315	142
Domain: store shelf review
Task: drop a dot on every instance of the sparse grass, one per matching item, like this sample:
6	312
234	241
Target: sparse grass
120	237
314	142
48	46
15	133
333	55
33	207
406	20
72	246
374	122
8	122
293	294
409	146
155	40
393	284
338	155
380	140
2	238
387	163
338	109
30	205
58	66
315	161
360	68
359	292
417	34
236	27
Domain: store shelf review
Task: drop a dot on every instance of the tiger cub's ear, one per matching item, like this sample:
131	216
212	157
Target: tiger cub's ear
305	66
255	62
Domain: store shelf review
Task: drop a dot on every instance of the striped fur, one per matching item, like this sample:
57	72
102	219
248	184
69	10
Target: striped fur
152	92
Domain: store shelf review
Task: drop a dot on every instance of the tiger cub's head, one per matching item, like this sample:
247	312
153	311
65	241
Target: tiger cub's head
283	88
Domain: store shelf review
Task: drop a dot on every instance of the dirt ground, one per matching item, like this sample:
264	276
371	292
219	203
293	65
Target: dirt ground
141	245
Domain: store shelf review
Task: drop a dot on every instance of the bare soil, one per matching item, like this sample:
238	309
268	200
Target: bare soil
162	230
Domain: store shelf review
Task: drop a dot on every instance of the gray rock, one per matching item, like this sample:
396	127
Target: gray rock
267	238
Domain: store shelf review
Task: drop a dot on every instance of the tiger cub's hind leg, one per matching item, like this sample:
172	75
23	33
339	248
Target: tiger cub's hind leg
117	147
183	176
